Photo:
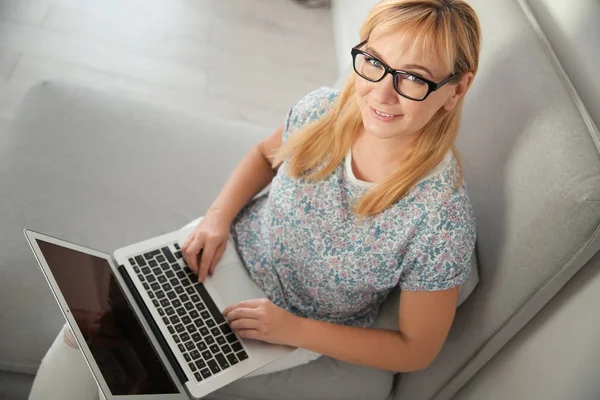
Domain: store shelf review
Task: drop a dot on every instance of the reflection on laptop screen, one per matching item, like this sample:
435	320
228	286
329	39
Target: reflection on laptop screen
123	352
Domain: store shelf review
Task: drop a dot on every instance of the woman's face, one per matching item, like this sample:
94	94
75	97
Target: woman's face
409	116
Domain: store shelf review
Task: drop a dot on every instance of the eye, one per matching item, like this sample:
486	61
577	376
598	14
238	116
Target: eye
414	79
373	61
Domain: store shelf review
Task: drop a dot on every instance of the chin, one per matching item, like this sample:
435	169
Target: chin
382	131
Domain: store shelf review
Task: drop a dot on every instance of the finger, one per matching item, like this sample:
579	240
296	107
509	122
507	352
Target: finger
245	323
242	304
239	313
207	255
191	253
187	242
217	257
250	334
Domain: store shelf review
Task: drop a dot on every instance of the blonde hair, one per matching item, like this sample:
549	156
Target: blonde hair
449	26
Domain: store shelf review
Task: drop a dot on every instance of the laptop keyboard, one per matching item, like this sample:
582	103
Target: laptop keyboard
203	337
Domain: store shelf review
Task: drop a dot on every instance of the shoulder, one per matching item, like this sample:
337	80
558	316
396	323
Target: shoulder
310	108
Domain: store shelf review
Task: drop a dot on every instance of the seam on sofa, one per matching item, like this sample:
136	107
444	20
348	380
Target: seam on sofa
587	119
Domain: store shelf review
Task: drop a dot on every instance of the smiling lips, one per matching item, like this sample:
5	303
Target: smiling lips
385	116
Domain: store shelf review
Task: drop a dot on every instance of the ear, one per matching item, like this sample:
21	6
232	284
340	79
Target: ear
457	90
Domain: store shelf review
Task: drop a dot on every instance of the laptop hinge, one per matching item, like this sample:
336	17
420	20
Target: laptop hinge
157	333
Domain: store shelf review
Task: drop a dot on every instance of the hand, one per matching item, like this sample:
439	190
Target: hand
260	319
205	245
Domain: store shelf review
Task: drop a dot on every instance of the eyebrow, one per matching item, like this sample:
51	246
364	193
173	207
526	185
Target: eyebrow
407	66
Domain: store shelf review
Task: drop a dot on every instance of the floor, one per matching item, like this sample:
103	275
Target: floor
245	60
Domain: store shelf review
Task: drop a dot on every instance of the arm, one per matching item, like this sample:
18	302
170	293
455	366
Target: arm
252	174
424	321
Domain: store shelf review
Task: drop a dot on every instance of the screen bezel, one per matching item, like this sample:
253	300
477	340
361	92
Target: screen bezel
32	237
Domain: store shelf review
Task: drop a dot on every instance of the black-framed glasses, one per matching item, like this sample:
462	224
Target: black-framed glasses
407	84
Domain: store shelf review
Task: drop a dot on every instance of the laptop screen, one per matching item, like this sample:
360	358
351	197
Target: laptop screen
114	335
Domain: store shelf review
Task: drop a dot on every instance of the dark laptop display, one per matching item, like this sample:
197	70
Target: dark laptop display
121	348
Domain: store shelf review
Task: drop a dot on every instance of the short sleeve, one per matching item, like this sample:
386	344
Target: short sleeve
440	256
308	109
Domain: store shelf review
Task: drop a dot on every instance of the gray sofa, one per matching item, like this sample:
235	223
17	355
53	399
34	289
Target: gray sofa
105	171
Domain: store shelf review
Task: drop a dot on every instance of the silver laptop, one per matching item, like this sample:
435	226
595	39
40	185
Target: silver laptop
146	327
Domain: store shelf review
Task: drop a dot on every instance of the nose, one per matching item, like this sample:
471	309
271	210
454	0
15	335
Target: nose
384	92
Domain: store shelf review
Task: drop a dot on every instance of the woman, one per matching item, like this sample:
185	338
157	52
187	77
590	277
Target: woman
367	193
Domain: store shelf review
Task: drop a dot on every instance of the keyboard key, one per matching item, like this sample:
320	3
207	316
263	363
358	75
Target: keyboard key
225	329
166	287
169	274
199	323
190	346
198	376
176	303
210	304
140	261
215	349
231	338
200	306
215	331
232	359
181	311
167	252
136	270
171	329
196	337
148	256
151	278
191	291
176	338
160	311
165	320
181	274
200	364
171	295
174	281
222	361
141	277
162	279
178	289
178	254
160	294
201	345
155	253
179	328
183	298
214	367
226	349
195	354
174	319
164	302
221	340
210	323
131	261
236	346
192	367
206	354
155	286
160	259
157	271
153	263
146	286
189	306
186	320
151	294
187	357
155	302
205	373
185	336
146	271
176	246
170	311
191	328
205	315
204	331
209	340
181	348
241	355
